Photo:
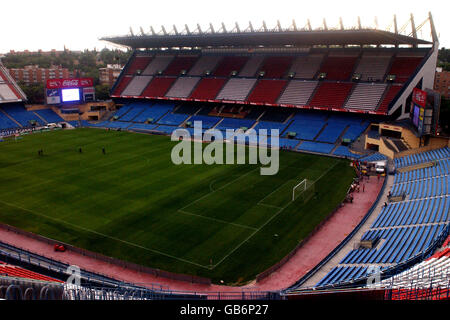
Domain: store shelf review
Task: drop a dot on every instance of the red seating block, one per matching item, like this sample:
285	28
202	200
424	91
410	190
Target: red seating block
229	64
390	95
267	91
122	85
207	89
276	67
138	63
158	87
178	64
331	94
404	67
338	68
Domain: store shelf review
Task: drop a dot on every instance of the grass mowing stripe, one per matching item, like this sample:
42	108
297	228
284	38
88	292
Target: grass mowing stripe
102	234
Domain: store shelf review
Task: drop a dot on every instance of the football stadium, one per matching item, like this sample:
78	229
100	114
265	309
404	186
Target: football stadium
93	205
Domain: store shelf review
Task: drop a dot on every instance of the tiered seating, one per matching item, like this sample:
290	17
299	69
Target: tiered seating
391	93
306	67
158	87
179	64
207	89
404	67
355	129
229	64
271	126
154	112
366	96
332	132
138	63
276	67
344	151
134	111
6	93
173	119
267	91
298	92
306	126
338	68
374	157
203	64
276	115
49	115
252	65
187	109
427	276
124	81
158	64
137	85
423	157
402	230
207	122
231	123
432	187
316	147
18	272
182	87
441	168
413	212
330	94
6	123
21	115
288	143
236	89
372	66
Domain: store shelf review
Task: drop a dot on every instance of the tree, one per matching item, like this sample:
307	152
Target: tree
34	92
102	92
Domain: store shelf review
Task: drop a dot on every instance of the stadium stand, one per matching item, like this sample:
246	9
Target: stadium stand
338	67
373	66
178	64
158	64
331	94
139	63
403	67
251	66
267	91
307	66
403	229
236	89
137	85
207	89
424	157
182	87
276	67
48	115
204	64
365	96
298	92
18	272
229	64
158	87
21	115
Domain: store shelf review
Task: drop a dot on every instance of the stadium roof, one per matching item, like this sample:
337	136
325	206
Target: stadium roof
267	39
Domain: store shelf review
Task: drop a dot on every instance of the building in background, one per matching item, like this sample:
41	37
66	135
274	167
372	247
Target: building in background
442	82
35	74
109	75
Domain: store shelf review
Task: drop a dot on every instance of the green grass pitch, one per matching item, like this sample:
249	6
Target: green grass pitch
225	222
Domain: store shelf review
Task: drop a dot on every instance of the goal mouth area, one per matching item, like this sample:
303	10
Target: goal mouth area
304	189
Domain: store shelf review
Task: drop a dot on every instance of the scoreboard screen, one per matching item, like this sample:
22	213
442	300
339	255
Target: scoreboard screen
70	91
70	95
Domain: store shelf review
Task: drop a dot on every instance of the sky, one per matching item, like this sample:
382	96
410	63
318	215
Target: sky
78	24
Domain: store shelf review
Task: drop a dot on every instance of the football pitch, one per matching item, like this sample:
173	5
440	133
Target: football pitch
224	222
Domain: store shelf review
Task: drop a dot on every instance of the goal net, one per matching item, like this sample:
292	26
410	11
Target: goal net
304	190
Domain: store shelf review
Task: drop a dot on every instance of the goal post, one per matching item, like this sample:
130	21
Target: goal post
304	189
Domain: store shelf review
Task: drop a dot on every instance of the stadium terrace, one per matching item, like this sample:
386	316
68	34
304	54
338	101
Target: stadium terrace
360	159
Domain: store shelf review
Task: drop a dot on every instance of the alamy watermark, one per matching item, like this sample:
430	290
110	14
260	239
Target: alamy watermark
218	152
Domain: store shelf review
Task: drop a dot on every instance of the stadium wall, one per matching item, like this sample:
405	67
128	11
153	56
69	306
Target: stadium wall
426	72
